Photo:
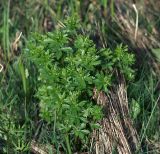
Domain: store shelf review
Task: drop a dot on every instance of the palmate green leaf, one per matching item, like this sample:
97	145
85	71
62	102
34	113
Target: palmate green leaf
83	42
72	24
85	131
95	126
102	81
48	41
58	54
67	50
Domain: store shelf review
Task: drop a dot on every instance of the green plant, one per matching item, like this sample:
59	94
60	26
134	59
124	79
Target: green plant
17	105
69	67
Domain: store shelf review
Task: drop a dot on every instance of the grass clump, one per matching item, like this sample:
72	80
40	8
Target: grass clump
144	108
69	68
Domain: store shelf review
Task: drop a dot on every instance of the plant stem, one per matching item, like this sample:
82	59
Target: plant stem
68	144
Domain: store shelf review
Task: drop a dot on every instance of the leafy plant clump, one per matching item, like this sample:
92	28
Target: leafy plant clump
69	68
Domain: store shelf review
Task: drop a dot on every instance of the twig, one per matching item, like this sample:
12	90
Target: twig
17	39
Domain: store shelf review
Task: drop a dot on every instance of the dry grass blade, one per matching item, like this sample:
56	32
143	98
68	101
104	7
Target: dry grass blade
1	67
15	44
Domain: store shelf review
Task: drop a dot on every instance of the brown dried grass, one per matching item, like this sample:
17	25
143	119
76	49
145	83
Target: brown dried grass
117	132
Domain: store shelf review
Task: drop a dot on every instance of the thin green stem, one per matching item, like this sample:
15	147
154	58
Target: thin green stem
68	144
